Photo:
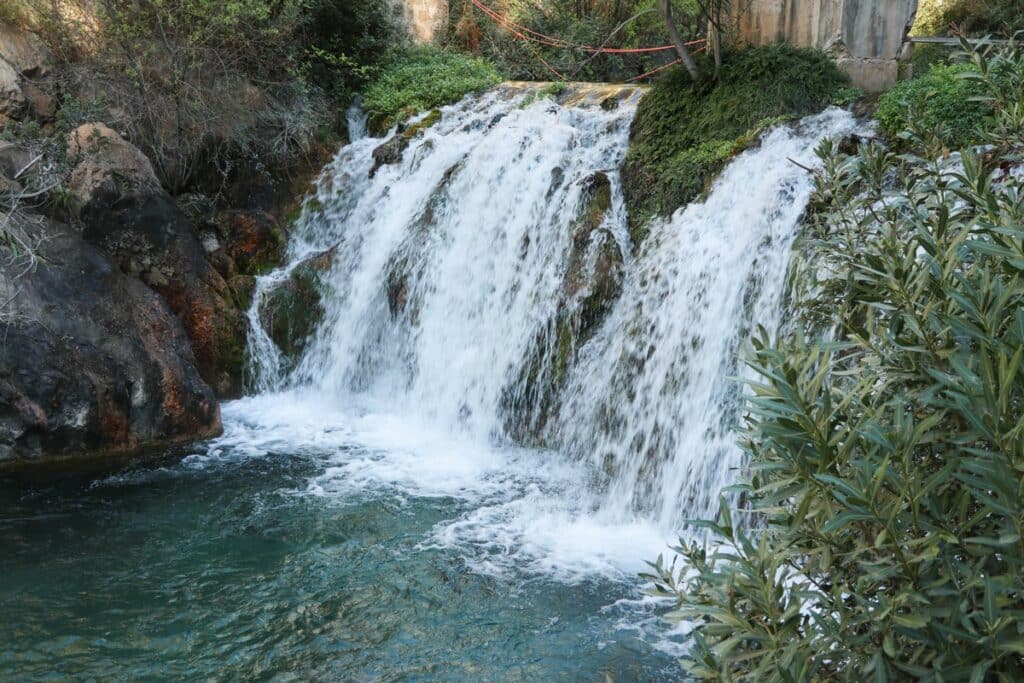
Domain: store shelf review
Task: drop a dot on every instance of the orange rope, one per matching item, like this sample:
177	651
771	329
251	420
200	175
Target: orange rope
663	66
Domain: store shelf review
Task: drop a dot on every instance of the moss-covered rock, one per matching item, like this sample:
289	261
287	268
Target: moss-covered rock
685	131
291	312
592	283
253	240
391	151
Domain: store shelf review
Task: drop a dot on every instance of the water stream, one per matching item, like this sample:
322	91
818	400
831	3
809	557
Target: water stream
463	471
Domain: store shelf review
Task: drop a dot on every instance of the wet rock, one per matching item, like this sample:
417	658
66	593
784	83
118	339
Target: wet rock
253	240
125	212
242	288
93	364
149	238
398	290
291	312
592	283
391	152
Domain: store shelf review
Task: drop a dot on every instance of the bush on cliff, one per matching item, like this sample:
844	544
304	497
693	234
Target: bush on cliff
207	88
884	532
684	131
942	103
423	79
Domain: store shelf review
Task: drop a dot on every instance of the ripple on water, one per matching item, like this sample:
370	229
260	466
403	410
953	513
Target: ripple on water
331	547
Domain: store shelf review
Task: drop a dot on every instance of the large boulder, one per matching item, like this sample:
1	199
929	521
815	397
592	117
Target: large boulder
12	100
125	212
25	86
106	167
24	51
93	364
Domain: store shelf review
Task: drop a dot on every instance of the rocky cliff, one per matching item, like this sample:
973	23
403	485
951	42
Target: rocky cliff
121	306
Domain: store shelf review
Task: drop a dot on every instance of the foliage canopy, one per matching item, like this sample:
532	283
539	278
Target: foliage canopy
423	79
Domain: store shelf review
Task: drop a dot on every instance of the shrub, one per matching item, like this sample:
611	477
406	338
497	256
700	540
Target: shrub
664	170
975	17
576	22
884	533
210	88
940	102
423	79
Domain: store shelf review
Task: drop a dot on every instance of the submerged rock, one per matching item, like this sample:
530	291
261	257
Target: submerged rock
93	363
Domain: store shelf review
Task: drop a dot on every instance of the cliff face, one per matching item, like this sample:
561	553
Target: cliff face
866	37
121	306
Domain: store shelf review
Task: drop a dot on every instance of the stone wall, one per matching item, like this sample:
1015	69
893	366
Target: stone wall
866	37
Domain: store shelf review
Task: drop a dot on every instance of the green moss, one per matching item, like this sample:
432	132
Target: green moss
420	126
551	91
685	131
940	103
423	79
291	312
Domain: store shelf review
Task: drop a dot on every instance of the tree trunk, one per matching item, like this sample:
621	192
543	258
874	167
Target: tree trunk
715	39
673	32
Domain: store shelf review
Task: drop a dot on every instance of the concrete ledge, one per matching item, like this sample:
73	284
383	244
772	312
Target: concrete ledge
870	75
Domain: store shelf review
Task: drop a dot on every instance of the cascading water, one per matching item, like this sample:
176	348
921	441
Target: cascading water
655	399
460	274
479	408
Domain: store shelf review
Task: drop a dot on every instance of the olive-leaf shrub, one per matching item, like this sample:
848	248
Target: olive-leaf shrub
881	534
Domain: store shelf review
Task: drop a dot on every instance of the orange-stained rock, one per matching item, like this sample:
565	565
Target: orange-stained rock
94	364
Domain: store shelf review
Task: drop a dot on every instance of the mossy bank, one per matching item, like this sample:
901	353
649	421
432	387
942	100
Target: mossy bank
686	130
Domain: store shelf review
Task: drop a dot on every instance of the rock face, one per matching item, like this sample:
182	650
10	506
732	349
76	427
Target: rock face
125	212
25	90
866	38
93	363
423	18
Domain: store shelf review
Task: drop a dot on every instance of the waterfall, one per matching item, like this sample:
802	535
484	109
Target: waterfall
480	275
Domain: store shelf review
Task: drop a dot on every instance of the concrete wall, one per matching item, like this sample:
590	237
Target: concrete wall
866	37
424	18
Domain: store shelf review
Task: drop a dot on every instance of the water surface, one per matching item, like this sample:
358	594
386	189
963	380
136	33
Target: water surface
288	551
